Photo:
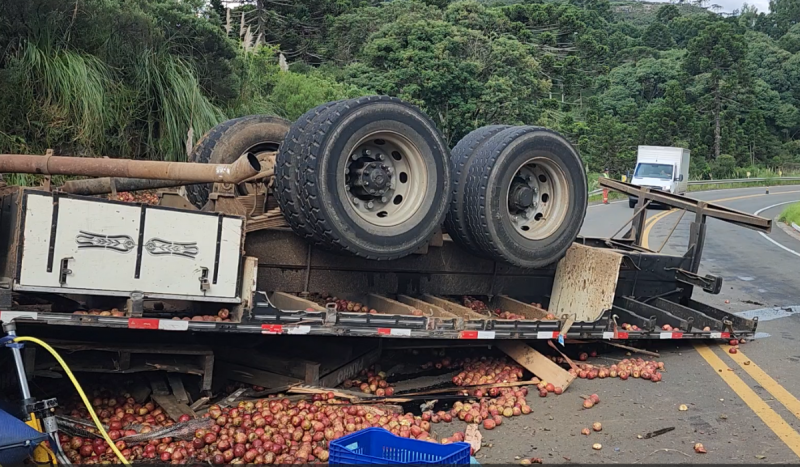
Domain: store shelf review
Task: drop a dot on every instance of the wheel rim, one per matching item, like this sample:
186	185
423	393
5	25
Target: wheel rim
537	198
385	179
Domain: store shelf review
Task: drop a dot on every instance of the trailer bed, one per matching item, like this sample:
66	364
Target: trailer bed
653	294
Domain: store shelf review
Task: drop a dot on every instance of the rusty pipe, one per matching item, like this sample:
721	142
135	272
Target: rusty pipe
101	186
187	172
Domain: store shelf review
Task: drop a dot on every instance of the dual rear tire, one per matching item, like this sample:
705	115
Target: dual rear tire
373	177
520	195
365	176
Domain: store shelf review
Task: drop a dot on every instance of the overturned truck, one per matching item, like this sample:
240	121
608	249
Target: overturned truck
355	220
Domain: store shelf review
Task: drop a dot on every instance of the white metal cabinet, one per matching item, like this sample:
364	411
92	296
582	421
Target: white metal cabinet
81	245
181	248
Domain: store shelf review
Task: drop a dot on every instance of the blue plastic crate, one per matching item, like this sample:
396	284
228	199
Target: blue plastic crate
378	446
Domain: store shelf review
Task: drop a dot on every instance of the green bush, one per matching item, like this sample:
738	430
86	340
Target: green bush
293	93
724	167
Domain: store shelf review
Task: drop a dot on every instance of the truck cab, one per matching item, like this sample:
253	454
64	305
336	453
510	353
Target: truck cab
661	168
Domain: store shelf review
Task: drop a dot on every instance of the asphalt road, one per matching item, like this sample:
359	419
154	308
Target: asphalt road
744	408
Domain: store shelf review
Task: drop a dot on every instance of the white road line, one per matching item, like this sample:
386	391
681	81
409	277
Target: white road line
766	236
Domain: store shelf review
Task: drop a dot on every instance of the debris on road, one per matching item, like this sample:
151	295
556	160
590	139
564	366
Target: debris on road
597	446
370	382
638	368
683	407
699	448
474	438
296	420
653	434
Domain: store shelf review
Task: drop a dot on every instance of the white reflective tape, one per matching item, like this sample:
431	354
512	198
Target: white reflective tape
716	335
400	332
10	315
608	335
298	329
486	334
665	335
173	325
545	335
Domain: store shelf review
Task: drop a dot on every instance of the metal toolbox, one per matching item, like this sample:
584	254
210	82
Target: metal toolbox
57	243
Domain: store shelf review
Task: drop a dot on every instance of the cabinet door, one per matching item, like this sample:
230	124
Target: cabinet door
180	248
96	239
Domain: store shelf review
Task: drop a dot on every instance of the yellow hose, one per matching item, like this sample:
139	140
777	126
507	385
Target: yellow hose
80	392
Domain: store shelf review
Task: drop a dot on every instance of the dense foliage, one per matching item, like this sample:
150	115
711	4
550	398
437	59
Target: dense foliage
130	78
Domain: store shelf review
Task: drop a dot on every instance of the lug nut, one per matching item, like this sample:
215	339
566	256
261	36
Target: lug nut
383	199
355	201
366	152
370	205
354	156
380	157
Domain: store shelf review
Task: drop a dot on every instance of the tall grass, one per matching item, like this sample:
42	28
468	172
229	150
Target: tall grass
73	90
170	101
81	102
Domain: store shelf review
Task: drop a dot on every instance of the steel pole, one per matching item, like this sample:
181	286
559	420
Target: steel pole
243	168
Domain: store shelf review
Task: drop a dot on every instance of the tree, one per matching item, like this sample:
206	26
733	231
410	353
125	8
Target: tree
718	50
129	78
791	40
668	121
658	37
783	15
667	13
609	143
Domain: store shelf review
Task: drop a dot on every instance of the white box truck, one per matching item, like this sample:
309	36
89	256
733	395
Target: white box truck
661	168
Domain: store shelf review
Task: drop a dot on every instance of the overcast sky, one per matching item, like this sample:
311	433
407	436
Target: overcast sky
730	5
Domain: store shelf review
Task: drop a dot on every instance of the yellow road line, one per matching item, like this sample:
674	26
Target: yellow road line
648	226
652	221
775	422
765	381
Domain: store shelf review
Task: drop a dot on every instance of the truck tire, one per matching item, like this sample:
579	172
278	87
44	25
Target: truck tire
287	190
526	196
231	139
375	177
461	158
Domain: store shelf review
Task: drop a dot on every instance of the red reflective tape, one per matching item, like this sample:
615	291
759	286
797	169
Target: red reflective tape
384	331
143	323
271	329
677	335
725	335
622	335
468	335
